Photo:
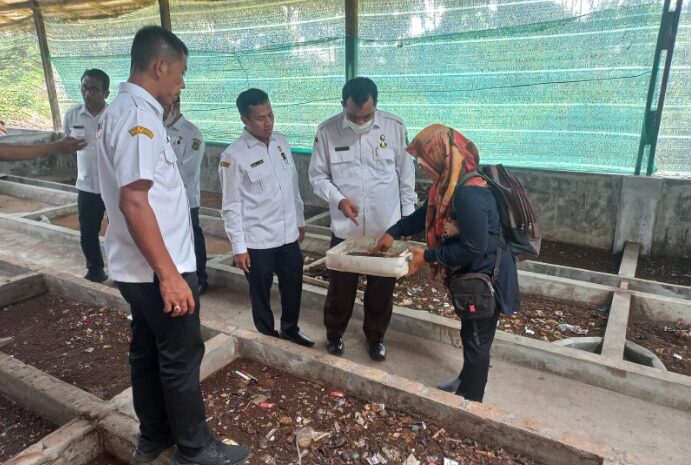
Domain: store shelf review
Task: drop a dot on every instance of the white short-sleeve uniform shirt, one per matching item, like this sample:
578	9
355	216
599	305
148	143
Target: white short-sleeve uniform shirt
81	124
132	145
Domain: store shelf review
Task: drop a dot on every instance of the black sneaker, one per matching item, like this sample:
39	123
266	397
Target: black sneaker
216	453
97	276
449	385
148	451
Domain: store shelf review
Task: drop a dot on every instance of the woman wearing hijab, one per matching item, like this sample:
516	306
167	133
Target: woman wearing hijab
463	233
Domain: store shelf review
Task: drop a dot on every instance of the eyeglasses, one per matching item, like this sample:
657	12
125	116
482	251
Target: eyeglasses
90	89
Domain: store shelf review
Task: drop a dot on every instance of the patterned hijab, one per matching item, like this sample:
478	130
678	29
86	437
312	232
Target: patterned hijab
445	155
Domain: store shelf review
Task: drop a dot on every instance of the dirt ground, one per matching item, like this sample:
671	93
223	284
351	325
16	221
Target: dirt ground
9	204
578	256
81	344
216	245
665	269
539	317
280	413
665	340
19	428
72	222
311	257
106	459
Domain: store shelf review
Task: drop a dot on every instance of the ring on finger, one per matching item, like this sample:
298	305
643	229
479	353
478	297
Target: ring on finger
176	308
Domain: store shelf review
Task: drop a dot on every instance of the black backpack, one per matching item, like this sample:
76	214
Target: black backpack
516	212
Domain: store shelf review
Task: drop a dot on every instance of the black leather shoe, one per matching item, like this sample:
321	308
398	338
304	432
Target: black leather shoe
203	286
335	346
299	338
148	451
215	453
97	276
377	351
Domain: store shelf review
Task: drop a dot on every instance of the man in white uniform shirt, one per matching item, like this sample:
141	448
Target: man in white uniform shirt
263	215
151	256
81	122
189	147
360	167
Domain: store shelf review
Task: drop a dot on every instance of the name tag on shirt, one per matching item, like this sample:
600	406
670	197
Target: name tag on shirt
342	149
256	163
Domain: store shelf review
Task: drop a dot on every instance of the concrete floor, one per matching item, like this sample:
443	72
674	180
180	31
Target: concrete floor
635	430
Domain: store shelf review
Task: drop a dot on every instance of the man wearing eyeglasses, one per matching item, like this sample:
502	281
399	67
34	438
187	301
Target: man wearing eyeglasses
81	122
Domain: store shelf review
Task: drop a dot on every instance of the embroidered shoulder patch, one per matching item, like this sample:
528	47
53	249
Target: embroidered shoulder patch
224	164
141	130
196	143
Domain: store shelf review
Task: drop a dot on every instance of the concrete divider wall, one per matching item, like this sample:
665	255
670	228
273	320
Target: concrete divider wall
63	163
592	209
665	310
672	234
41	194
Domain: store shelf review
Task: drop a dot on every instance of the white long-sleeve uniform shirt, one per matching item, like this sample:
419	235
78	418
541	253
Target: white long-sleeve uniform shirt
373	170
189	147
81	124
262	207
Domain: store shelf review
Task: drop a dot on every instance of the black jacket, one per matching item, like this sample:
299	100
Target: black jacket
474	250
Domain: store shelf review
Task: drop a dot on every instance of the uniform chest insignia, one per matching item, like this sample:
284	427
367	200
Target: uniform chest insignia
256	163
141	130
224	164
383	143
196	143
283	155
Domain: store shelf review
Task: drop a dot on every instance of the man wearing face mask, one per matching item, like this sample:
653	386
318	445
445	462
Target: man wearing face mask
360	167
188	144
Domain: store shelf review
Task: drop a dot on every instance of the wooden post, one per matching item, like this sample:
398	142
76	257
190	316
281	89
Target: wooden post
351	39
164	9
47	68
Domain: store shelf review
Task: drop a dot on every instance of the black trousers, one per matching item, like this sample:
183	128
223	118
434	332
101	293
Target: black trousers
91	210
340	299
199	246
477	337
165	354
286	261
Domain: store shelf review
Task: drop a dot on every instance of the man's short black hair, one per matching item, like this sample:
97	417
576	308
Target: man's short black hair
360	89
153	42
250	97
98	74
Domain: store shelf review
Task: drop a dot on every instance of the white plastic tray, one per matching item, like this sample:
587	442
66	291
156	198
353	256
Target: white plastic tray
337	258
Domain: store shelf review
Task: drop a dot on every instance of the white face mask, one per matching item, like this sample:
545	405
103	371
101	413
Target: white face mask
360	128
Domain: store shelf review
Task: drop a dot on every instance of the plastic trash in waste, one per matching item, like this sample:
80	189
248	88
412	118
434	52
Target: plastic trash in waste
575	329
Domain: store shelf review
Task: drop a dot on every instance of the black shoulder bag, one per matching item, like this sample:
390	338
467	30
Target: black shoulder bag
473	294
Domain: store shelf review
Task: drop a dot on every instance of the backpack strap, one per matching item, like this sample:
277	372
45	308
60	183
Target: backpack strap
461	182
497	262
